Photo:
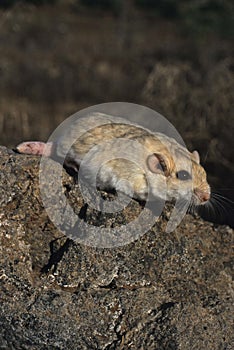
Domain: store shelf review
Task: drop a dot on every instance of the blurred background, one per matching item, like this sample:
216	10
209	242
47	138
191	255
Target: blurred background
60	56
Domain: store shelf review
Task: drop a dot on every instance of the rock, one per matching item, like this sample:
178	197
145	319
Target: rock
162	291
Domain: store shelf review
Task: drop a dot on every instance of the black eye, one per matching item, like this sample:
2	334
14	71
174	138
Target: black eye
183	175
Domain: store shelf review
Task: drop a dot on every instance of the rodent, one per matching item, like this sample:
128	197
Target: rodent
156	165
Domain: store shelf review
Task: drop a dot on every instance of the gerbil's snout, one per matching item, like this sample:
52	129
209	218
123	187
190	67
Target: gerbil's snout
203	196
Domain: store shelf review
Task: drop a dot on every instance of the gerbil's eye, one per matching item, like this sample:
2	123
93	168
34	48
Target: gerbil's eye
183	175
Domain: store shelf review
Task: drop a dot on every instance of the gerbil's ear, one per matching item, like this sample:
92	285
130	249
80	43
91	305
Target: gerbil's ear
157	164
196	157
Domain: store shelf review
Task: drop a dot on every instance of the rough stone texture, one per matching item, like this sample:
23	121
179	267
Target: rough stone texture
163	291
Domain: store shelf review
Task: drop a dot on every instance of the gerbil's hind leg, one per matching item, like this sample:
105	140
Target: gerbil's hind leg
35	147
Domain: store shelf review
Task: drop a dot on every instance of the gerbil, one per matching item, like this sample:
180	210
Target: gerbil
129	158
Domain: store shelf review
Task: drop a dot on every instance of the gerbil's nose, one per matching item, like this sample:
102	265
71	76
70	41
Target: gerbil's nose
202	195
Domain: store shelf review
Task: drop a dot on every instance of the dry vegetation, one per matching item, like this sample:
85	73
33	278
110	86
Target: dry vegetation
55	60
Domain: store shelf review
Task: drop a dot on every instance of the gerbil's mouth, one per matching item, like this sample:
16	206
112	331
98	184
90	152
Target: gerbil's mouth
197	202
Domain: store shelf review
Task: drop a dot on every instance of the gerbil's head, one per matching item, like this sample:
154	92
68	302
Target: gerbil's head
182	173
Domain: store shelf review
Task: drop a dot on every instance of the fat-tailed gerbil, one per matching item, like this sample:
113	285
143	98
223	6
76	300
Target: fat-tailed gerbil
129	158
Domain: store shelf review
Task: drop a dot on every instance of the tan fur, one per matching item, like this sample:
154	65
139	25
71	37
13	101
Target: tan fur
122	155
116	136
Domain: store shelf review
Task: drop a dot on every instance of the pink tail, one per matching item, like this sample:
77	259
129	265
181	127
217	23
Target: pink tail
35	147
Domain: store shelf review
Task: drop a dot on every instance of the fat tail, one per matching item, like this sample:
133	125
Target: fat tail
35	147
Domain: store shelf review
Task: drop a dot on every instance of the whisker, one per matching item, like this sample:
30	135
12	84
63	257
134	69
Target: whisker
219	204
227	207
181	204
215	209
220	197
206	209
218	209
193	207
211	208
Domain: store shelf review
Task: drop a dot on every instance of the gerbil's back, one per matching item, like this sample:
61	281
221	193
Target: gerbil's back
95	129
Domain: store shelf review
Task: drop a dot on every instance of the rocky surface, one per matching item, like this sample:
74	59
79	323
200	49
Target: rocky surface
162	291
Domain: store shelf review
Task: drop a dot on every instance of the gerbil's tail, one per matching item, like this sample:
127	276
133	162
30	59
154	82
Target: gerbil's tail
35	147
